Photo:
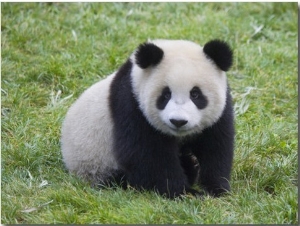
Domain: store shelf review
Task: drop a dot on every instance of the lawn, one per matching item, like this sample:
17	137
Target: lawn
52	52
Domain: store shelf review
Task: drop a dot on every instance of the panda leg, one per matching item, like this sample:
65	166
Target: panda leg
215	160
215	172
154	164
190	165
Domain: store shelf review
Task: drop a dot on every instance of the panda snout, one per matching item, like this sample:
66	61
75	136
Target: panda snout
178	122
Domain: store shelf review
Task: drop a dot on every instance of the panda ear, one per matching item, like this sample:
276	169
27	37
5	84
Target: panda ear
220	53
148	54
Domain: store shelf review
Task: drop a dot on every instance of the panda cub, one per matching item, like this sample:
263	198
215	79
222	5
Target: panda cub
145	124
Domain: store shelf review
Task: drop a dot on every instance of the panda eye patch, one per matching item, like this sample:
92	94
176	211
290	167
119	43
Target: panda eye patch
164	98
198	98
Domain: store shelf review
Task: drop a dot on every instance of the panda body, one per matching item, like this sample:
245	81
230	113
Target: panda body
87	121
141	124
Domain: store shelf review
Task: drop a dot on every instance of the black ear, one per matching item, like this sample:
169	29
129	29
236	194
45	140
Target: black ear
148	54
220	53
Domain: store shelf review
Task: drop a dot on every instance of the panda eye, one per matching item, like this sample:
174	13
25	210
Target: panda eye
164	98
167	95
199	99
195	93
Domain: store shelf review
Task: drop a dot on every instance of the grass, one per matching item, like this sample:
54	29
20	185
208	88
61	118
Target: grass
51	52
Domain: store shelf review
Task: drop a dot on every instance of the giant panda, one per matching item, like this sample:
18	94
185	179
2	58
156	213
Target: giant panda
148	125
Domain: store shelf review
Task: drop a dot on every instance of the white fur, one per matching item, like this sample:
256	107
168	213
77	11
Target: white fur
87	133
183	66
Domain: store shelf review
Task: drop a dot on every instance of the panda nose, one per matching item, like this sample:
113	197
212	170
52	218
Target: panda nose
178	123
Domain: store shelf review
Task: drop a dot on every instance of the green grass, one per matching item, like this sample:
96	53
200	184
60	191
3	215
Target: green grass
52	52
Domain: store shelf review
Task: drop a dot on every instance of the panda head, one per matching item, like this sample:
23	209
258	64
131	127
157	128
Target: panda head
180	86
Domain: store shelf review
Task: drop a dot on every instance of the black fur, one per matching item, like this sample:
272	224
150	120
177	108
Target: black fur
220	53
153	161
164	98
148	54
198	98
191	166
